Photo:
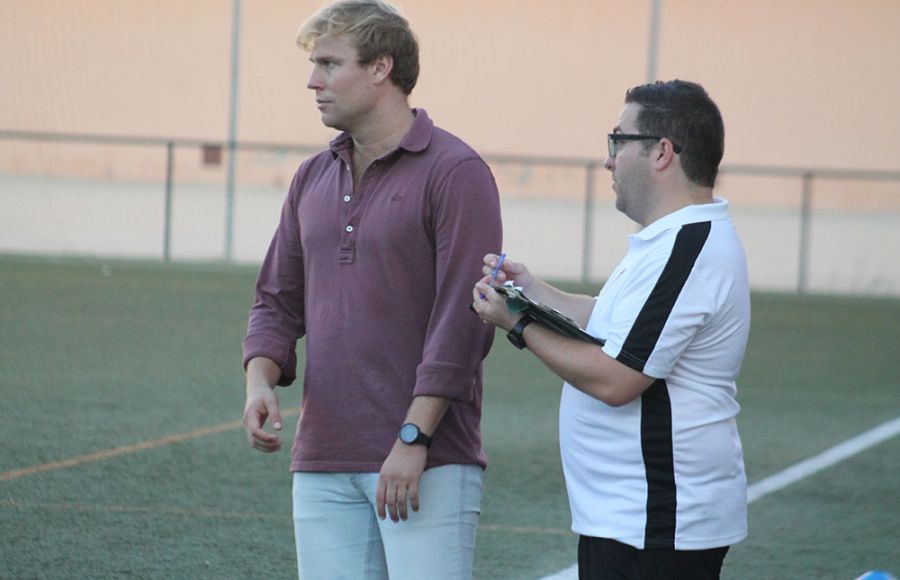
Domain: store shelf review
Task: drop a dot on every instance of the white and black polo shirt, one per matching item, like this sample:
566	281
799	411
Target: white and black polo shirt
667	469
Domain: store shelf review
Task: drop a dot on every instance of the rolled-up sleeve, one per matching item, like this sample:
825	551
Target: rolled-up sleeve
276	319
466	218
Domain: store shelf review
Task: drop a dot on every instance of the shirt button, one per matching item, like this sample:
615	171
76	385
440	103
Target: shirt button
346	198
349	228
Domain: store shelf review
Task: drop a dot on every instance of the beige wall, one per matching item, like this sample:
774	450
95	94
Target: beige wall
807	82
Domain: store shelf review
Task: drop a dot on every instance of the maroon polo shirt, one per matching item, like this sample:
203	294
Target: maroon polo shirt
379	282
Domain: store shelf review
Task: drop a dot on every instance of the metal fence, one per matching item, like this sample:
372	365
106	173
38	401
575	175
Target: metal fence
548	203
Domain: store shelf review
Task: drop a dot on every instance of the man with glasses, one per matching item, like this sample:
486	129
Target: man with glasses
650	448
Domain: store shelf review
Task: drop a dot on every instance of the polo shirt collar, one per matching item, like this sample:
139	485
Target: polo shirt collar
416	139
704	212
419	134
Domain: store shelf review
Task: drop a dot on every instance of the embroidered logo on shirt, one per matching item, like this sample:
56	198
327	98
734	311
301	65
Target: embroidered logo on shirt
396	197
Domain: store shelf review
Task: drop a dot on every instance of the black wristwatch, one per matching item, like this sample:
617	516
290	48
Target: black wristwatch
515	335
412	435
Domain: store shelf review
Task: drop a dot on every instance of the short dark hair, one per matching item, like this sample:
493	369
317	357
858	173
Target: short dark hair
684	113
377	28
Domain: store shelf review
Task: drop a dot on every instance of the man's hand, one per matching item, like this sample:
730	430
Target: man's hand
262	404
491	307
516	272
398	481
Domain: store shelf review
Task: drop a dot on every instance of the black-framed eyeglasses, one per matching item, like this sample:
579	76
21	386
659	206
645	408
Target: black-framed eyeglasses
612	141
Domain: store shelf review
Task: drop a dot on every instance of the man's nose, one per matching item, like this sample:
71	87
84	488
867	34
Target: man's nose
609	163
313	82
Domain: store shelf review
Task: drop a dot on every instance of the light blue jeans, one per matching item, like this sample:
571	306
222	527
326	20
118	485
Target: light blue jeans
339	535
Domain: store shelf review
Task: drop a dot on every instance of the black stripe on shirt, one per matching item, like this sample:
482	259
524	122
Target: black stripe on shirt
648	325
659	466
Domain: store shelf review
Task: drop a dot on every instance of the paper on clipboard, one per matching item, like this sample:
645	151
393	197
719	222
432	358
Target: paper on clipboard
553	319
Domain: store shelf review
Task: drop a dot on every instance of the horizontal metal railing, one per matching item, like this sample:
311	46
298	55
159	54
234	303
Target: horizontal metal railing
806	175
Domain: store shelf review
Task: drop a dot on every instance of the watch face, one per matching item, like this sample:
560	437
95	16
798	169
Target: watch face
409	433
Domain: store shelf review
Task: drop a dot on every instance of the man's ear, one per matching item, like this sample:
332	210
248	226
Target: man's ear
665	154
382	67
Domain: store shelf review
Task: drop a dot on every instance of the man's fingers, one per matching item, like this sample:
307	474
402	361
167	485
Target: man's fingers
388	498
482	287
413	493
254	419
401	503
380	495
263	441
490	262
399	476
485	292
274	415
266	447
391	501
262	436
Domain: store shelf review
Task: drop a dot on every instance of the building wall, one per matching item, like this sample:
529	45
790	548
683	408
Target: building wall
807	82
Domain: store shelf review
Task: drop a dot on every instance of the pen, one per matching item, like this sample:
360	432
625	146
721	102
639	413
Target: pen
497	267
495	270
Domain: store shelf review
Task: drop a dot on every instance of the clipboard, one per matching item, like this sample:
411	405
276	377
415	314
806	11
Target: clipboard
544	315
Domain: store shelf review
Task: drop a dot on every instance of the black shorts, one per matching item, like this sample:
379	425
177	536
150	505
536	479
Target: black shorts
604	559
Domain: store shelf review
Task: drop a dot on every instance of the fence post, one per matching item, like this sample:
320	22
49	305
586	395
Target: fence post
229	202
232	127
586	252
805	217
167	209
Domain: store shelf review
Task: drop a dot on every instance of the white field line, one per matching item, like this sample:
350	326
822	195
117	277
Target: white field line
823	460
795	473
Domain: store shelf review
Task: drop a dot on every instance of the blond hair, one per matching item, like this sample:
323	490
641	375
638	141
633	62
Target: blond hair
377	28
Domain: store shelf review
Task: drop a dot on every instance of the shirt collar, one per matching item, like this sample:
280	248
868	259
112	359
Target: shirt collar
419	135
704	212
416	139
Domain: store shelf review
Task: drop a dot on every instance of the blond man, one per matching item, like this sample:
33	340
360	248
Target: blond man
380	238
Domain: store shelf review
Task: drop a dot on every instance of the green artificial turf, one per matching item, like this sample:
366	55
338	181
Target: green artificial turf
98	355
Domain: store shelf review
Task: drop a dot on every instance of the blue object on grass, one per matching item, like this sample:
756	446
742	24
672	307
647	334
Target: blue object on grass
877	575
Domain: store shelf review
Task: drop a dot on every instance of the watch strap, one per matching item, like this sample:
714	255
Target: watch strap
515	334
